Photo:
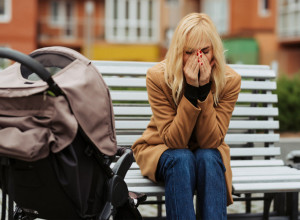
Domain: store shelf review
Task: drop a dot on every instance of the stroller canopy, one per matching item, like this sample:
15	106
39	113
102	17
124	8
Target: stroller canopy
33	122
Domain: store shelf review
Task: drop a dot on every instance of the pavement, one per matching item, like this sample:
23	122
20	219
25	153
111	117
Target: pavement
288	144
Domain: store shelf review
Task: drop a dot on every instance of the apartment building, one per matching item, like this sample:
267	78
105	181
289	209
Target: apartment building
253	31
112	29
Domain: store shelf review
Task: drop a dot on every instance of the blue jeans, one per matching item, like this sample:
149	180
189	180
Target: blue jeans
184	171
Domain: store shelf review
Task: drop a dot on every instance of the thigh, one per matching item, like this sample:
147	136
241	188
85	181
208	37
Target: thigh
179	161
209	159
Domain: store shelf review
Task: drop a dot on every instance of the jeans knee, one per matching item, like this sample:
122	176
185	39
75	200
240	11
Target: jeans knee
208	158
182	156
180	159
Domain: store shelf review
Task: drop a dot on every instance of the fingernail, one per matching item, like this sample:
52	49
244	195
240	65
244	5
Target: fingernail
200	51
201	64
197	53
201	56
198	61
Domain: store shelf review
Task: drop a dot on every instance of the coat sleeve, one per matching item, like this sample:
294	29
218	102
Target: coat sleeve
213	121
174	125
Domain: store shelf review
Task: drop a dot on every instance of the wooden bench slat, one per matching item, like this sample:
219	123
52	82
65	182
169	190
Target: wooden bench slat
238	163
238	138
255	111
149	190
262	179
268	151
140	68
132	82
267	187
263	170
256	163
246	172
238	111
143	97
239	124
258	85
257	98
229	139
236	180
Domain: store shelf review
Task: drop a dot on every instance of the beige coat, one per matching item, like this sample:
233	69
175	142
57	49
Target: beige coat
185	126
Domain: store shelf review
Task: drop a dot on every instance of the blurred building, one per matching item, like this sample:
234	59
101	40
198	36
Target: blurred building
248	28
259	31
289	35
112	29
253	31
18	24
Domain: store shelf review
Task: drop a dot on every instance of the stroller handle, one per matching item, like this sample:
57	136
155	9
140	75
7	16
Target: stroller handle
33	65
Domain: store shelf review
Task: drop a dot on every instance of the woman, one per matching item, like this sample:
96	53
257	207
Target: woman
192	94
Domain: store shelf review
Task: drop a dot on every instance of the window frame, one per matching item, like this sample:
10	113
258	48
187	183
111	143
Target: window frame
6	16
61	21
262	10
129	21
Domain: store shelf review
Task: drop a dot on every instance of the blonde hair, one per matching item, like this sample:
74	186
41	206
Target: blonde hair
191	30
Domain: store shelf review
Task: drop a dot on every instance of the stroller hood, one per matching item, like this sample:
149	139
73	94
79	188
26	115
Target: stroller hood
33	123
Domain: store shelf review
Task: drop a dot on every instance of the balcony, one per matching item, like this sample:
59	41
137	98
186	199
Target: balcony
72	33
289	21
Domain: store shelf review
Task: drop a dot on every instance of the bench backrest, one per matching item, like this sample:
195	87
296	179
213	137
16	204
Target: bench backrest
252	128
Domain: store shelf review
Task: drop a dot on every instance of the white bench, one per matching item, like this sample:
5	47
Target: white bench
256	163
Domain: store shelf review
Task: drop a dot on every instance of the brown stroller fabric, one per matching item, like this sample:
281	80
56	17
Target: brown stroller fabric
43	123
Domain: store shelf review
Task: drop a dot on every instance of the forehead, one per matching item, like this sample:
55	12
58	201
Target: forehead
197	40
197	45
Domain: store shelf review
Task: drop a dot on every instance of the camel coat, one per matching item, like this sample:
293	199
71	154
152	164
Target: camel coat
184	125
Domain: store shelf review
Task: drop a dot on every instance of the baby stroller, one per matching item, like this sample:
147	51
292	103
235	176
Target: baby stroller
57	140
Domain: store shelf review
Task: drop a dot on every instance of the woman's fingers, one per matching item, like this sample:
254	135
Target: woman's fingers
205	69
191	70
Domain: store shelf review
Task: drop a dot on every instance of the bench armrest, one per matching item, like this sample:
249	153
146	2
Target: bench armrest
124	162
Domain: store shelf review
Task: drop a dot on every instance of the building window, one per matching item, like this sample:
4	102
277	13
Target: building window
288	19
132	21
264	8
217	10
5	11
62	16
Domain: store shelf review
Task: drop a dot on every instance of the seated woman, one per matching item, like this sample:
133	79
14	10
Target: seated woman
192	94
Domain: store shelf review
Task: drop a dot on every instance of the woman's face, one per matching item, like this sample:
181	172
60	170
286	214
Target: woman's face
204	46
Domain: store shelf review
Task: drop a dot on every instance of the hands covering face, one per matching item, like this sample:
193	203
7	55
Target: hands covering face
197	67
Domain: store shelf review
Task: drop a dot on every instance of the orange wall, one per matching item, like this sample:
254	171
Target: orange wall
288	58
21	32
245	16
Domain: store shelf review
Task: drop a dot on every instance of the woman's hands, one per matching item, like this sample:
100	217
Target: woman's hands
197	69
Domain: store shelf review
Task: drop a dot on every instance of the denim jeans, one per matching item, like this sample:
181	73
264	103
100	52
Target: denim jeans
184	171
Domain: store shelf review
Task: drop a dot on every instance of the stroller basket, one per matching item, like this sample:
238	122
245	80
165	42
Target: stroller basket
56	142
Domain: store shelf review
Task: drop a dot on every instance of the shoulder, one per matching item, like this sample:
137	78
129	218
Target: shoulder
155	74
232	75
157	70
232	82
233	79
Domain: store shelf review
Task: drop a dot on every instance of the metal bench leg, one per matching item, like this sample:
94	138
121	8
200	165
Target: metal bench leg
159	207
280	204
292	205
248	202
267	204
